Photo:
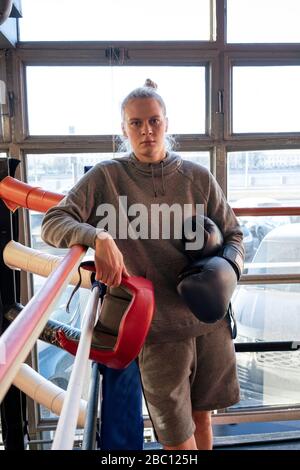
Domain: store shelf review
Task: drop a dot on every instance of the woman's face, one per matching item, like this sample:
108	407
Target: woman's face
145	126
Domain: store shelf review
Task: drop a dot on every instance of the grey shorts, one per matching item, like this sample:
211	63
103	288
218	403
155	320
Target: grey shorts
185	376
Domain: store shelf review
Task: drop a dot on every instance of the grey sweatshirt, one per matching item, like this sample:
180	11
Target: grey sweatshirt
173	180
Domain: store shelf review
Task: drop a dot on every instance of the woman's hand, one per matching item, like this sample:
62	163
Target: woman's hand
109	261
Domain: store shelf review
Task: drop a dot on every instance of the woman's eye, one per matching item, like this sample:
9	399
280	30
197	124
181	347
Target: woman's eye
154	122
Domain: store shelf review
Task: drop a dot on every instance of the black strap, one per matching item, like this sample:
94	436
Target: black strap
89	265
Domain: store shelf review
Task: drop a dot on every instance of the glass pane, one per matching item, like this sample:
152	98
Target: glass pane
94	20
56	366
266	99
272	245
87	100
279	253
57	173
202	158
264	178
263	21
268	313
258	232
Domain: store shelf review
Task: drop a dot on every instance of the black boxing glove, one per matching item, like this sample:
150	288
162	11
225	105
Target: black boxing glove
212	243
212	237
206	286
234	257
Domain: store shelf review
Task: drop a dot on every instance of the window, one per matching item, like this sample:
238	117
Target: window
59	172
257	21
267	312
270	313
202	158
266	99
87	100
258	178
279	251
115	20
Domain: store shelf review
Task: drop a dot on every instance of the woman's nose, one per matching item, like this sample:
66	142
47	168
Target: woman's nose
146	128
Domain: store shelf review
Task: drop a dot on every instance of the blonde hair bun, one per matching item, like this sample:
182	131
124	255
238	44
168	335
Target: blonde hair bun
150	84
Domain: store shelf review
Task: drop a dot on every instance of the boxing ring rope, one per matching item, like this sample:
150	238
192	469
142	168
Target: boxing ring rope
15	194
18	256
19	338
65	431
44	392
261	211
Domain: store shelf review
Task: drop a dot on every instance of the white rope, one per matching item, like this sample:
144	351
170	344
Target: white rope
65	431
18	256
18	339
44	392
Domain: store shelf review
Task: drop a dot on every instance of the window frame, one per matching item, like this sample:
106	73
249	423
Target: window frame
219	58
70	57
253	59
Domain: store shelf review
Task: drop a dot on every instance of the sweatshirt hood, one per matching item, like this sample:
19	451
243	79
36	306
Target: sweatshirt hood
157	171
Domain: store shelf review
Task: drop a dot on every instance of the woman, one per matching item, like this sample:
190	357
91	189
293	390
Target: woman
187	367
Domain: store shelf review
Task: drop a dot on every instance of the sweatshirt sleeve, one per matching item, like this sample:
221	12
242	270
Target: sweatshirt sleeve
73	220
222	214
